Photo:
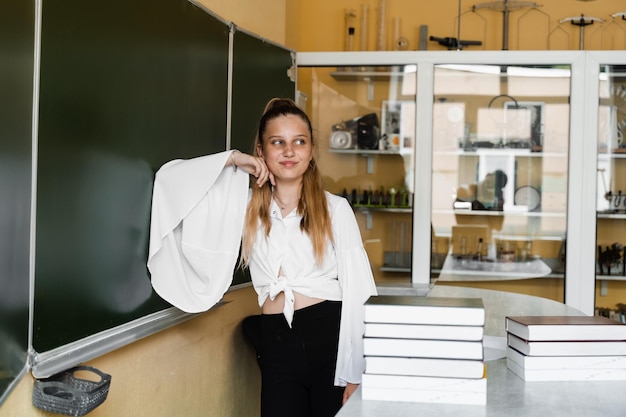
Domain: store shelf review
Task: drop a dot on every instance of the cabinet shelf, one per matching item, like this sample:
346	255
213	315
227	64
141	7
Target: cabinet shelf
471	270
496	213
611	155
394	269
613	216
514	237
365	209
610	277
506	151
366	75
369	75
369	152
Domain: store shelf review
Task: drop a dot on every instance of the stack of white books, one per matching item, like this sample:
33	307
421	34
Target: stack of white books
566	348
424	349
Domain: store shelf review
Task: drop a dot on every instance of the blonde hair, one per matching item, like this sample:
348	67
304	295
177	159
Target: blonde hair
312	206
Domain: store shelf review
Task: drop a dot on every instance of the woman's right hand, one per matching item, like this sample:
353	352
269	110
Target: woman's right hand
253	165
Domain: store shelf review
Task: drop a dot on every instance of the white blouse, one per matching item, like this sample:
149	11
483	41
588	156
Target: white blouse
345	274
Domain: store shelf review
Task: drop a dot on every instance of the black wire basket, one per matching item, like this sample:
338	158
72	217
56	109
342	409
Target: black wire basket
65	393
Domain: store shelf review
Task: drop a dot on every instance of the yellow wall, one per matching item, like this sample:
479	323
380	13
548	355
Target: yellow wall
266	19
529	29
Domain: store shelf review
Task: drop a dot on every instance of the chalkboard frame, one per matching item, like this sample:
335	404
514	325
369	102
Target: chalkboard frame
17	42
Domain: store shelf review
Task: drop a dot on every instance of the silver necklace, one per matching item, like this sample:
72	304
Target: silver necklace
282	205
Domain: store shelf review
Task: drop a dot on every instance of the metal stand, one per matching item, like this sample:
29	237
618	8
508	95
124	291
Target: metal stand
506	7
581	21
455	43
620	14
615	25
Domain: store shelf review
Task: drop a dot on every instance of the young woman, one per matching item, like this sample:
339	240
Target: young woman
308	265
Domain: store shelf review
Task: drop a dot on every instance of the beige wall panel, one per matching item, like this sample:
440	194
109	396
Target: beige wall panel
264	18
202	367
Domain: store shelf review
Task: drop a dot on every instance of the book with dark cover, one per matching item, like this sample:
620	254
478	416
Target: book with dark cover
425	310
554	328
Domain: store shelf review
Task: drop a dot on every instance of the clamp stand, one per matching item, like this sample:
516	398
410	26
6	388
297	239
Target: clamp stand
581	21
455	43
505	6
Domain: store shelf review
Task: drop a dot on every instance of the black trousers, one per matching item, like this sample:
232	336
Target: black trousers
298	363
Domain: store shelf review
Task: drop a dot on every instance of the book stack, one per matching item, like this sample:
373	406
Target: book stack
424	349
566	348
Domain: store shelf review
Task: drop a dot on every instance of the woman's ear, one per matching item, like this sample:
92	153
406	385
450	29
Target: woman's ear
259	150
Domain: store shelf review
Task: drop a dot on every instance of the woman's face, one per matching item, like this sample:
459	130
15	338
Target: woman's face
287	147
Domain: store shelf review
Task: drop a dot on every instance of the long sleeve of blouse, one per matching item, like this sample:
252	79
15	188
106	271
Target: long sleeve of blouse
198	209
357	285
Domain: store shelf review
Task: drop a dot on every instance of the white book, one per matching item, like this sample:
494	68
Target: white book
424	331
566	362
446	368
424	389
567	348
567	374
553	328
447	349
425	310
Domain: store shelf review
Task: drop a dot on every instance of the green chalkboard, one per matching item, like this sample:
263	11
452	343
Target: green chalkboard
260	72
125	86
17	29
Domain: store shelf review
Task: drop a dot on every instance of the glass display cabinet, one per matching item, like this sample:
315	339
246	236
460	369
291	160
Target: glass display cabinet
611	188
474	168
500	174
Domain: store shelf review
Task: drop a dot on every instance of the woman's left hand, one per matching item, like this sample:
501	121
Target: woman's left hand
350	388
